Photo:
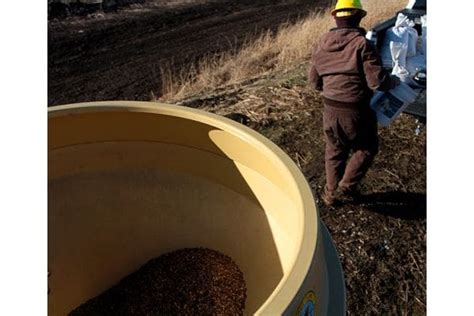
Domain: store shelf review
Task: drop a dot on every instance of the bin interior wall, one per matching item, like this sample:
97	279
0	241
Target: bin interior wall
115	205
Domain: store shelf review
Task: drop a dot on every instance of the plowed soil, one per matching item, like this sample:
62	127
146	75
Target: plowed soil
119	56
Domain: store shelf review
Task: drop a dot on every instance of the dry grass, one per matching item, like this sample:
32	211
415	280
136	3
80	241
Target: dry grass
290	46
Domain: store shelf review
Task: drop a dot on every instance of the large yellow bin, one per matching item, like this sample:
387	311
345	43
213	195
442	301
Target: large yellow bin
129	181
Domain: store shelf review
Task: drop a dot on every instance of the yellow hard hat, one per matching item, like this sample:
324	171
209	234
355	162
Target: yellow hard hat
346	5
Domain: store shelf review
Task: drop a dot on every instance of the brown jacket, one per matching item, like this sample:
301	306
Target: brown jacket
347	67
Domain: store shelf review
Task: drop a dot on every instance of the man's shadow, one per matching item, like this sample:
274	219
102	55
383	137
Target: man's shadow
403	205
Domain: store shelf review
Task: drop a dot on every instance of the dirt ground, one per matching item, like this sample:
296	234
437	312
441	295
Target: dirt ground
119	56
381	240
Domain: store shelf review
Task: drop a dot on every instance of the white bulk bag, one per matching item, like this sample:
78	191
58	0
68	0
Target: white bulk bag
403	32
399	58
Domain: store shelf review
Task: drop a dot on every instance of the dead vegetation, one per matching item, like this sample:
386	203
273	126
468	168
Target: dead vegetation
271	52
382	239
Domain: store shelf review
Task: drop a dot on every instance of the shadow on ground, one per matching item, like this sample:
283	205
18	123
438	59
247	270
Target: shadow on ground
402	205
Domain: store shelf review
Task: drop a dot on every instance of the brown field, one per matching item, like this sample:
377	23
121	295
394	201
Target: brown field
121	55
219	57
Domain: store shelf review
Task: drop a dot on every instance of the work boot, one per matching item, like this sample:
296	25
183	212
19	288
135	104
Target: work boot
328	197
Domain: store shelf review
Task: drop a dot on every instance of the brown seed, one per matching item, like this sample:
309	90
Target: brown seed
195	281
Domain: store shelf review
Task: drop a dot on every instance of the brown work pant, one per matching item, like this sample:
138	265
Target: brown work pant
348	131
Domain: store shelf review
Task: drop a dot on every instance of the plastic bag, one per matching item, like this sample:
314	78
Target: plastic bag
399	53
403	32
412	40
392	36
388	105
423	33
403	20
386	56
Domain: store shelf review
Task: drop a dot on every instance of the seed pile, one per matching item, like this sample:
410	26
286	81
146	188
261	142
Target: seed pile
193	281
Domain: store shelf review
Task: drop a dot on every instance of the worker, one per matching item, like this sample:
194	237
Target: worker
347	68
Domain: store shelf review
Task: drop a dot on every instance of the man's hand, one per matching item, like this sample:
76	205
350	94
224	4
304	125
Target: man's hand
394	82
